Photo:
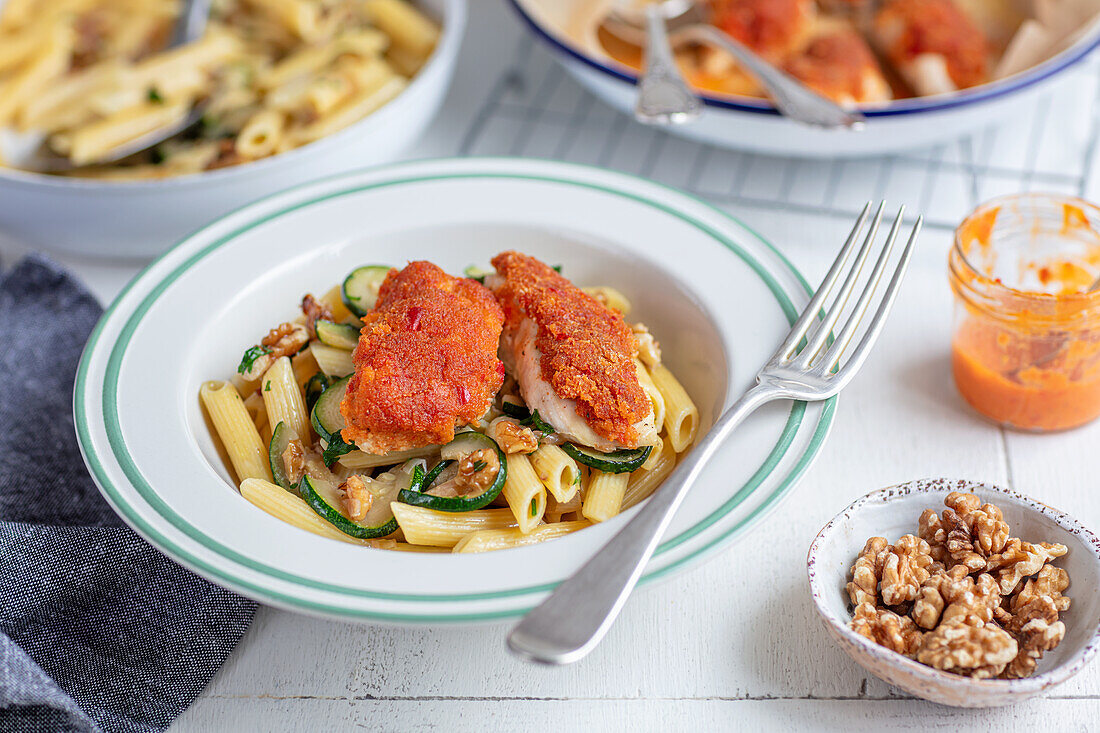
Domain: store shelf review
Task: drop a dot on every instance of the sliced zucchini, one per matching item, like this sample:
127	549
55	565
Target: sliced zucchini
280	439
513	410
462	446
360	290
476	273
526	417
315	387
325	416
336	447
620	461
324	498
338	335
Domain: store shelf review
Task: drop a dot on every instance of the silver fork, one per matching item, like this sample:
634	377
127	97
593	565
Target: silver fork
573	619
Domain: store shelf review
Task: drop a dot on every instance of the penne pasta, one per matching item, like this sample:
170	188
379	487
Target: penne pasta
610	297
238	434
525	494
603	498
646	479
408	28
487	540
654	394
281	504
557	471
283	399
681	414
445	529
332	361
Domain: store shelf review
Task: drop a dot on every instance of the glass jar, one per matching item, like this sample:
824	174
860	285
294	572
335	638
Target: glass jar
1025	349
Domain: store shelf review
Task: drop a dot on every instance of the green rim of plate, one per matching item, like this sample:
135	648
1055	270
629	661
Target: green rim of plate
139	483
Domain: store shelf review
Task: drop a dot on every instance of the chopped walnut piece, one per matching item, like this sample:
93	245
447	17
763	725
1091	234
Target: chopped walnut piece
956	595
476	473
294	461
513	437
1020	559
649	351
979	651
1036	628
314	311
1049	583
286	339
357	497
988	529
904	568
865	573
930	529
884	627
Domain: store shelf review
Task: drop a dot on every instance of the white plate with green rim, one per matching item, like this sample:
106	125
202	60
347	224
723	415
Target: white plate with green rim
717	296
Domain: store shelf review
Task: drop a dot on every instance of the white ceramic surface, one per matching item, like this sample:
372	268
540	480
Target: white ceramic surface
719	307
753	124
893	512
124	219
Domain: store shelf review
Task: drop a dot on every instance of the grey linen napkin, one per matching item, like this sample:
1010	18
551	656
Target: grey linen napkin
98	631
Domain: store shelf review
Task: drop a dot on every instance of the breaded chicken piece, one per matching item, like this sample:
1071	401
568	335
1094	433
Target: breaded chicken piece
572	356
773	28
426	361
933	44
841	66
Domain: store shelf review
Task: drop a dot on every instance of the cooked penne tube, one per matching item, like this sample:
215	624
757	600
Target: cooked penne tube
50	62
237	432
93	141
445	529
655	397
335	302
354	109
603	498
645	480
358	459
408	28
487	540
281	504
610	297
525	494
654	453
283	399
260	137
681	414
332	361
557	471
298	16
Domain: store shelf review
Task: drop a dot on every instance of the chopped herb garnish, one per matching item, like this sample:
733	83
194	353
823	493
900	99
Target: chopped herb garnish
557	269
534	507
250	358
267	387
336	448
478	466
154	96
157	156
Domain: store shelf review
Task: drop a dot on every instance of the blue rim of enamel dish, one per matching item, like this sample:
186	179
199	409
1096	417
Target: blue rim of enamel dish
939	103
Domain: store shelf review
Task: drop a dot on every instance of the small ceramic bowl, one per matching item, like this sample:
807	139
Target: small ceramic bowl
893	512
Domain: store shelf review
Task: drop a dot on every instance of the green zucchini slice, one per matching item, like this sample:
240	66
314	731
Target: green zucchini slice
360	290
280	439
315	387
620	461
325	499
325	416
462	446
526	417
338	335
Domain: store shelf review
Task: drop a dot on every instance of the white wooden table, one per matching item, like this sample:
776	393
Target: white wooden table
734	644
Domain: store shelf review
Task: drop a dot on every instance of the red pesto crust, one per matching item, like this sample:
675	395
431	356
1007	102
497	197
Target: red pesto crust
835	65
937	27
587	349
426	360
772	28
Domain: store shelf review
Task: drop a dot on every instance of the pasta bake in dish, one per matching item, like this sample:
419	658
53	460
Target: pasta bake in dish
414	410
269	76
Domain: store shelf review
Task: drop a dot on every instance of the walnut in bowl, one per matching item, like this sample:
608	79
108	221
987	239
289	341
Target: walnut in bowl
967	607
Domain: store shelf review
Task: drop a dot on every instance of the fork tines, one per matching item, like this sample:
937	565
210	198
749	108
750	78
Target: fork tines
812	347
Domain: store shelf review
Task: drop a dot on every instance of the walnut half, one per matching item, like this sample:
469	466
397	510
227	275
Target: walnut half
886	628
980	651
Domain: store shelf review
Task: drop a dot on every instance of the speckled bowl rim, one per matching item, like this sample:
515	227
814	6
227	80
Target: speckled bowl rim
819	586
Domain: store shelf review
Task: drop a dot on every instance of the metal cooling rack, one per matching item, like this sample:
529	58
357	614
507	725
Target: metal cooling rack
537	110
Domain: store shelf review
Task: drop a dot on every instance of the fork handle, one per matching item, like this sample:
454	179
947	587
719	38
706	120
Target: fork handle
573	619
